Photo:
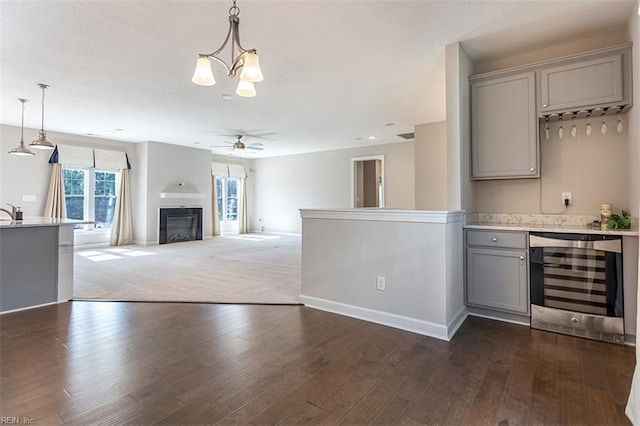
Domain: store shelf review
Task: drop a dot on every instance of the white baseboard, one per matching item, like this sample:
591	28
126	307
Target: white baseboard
456	322
33	307
90	246
413	325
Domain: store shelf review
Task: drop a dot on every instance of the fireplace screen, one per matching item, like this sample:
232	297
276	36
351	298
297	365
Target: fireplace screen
180	224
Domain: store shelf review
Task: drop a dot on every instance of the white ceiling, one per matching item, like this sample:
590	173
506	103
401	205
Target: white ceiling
334	70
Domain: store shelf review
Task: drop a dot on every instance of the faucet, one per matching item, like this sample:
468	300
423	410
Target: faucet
11	213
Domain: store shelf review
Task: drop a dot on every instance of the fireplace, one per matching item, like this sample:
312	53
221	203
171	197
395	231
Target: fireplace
178	224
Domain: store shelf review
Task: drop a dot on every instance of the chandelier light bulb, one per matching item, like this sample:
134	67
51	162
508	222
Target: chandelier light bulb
588	129
603	128
619	126
246	89
203	75
251	69
560	132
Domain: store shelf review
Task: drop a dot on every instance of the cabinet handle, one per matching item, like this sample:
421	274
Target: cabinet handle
494	239
545	105
532	169
521	260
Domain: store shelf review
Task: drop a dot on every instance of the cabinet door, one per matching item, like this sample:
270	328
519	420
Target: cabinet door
497	279
504	130
582	84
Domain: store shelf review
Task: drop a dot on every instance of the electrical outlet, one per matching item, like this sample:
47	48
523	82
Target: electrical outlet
28	198
566	196
380	285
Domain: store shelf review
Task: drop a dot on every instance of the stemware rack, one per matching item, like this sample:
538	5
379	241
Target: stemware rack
593	113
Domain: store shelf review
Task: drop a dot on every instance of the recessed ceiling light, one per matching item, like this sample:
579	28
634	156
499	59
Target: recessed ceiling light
90	134
196	143
390	124
226	96
358	139
109	131
118	130
372	137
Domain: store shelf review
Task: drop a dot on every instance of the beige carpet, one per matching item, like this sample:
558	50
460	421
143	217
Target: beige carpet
250	268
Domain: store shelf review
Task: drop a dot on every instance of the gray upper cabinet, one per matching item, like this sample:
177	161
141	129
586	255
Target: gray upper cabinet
583	84
504	131
593	80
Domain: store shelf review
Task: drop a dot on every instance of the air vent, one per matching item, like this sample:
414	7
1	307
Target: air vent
407	136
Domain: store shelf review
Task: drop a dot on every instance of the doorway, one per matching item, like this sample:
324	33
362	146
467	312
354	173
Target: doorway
367	178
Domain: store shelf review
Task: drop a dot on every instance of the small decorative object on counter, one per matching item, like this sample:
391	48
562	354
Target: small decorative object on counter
606	210
621	221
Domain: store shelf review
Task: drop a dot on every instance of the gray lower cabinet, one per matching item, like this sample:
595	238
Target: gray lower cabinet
497	277
28	266
504	130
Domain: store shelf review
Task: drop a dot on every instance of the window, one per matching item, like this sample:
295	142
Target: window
90	195
227	190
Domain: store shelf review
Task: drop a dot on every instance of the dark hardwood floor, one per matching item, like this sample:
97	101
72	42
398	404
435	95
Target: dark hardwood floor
165	363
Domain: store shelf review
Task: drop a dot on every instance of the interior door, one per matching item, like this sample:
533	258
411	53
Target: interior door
368	183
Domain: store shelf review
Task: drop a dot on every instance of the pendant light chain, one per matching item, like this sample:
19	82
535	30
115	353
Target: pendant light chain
42	142
22	150
234	10
22	125
44	86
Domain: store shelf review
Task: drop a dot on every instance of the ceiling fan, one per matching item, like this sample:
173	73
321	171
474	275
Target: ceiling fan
238	145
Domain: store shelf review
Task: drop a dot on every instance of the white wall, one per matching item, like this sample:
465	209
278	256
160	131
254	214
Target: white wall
283	185
170	164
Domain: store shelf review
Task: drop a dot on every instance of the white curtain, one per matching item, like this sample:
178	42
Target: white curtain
633	405
70	155
215	218
242	215
121	227
54	206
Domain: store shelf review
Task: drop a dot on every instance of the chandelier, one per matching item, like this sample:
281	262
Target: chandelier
241	58
42	142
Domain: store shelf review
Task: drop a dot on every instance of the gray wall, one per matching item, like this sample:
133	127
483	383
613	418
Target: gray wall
596	169
30	175
431	170
633	123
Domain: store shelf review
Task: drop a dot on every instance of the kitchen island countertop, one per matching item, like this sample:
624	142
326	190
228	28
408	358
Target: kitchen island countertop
39	221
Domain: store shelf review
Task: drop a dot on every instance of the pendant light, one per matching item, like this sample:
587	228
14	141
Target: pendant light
21	149
42	142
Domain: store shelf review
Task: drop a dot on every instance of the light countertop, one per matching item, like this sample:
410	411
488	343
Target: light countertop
577	229
29	222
